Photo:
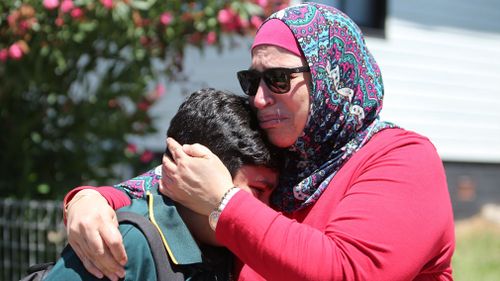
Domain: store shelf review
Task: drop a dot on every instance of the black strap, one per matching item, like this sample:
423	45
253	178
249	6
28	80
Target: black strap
38	272
164	270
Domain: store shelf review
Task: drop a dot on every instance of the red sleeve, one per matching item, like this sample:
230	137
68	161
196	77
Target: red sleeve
391	221
116	198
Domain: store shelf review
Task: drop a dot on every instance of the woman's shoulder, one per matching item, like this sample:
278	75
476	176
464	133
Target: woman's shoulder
398	145
399	134
398	138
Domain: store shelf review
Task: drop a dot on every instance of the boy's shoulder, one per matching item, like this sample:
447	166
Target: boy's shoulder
182	249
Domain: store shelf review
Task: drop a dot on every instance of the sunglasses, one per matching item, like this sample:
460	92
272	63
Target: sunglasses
276	79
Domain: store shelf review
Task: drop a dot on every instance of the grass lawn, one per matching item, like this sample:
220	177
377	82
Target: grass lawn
477	254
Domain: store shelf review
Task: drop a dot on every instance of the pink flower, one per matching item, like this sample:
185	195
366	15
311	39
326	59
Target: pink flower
147	156
67	6
108	4
225	16
159	90
50	4
12	19
241	22
262	3
77	13
256	21
131	148
211	38
4	55
228	19
24	25
166	18
15	51
59	21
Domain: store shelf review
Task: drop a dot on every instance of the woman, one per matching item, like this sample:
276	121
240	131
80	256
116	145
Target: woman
360	199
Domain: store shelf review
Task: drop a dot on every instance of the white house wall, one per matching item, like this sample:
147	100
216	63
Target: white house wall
441	66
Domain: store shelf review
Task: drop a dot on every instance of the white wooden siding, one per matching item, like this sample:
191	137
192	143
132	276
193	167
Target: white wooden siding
441	72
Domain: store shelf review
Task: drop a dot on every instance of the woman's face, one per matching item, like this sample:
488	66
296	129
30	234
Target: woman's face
282	116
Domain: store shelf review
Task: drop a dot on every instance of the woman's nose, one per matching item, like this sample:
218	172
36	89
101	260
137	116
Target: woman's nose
263	97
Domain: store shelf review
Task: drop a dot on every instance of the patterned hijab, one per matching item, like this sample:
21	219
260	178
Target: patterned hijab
346	98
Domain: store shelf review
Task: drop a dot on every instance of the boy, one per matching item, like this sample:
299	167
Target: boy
224	123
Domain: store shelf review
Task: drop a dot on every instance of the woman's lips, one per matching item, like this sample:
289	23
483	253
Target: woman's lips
270	121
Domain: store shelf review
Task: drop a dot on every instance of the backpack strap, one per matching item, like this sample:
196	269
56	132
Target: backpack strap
38	272
164	271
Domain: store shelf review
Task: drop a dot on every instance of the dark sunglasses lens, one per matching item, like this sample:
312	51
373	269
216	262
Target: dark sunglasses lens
249	82
277	80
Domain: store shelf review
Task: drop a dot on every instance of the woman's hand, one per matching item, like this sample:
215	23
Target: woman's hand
93	234
194	177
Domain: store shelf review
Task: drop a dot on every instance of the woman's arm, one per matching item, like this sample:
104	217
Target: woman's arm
115	198
92	224
392	221
92	230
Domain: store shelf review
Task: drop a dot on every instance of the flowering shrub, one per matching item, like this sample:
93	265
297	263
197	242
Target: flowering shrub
78	76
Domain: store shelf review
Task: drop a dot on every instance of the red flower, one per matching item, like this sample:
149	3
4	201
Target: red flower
211	38
241	22
256	21
59	21
77	13
131	148
4	55
225	16
143	105
147	156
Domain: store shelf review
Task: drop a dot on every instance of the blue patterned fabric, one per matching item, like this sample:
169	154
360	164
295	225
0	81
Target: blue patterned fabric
346	98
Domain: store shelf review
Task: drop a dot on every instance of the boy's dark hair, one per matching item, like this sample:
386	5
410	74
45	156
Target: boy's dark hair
224	123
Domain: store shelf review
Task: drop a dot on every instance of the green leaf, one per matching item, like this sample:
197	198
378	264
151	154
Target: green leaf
79	37
43	188
88	26
121	11
142	5
252	8
200	26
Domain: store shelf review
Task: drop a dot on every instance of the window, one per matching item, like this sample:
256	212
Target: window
368	14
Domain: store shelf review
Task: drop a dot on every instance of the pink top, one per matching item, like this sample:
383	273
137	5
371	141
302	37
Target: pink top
385	216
